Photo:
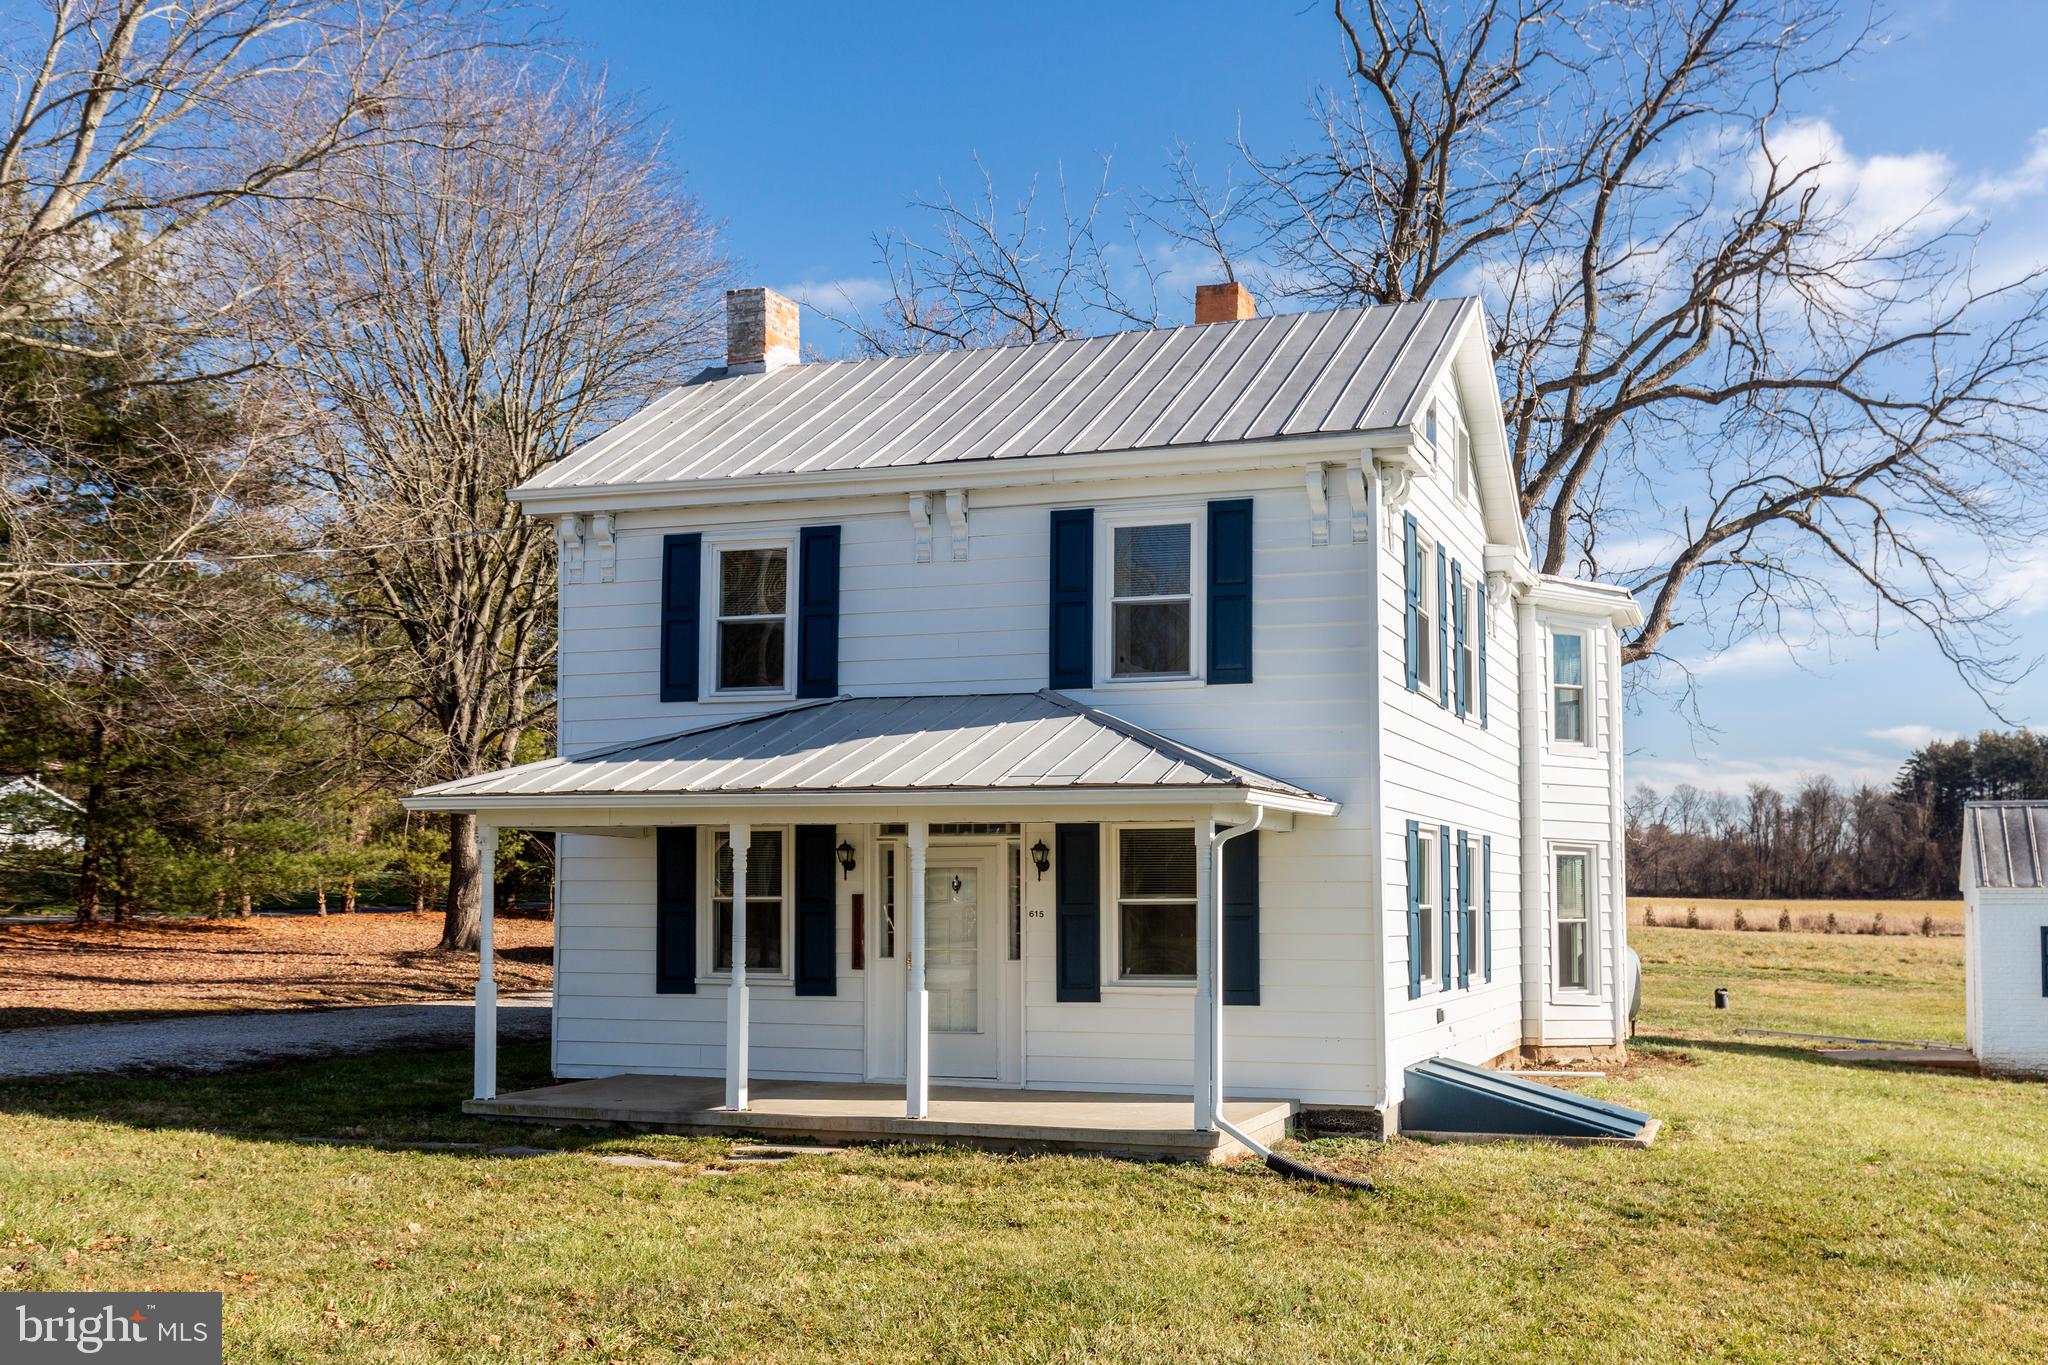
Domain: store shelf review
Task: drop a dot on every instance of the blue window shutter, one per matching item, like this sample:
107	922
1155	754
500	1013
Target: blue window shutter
1077	912
1464	910
1071	637
817	620
1443	843
682	575
1486	903
1463	684
1480	626
675	909
1414	909
1412	582
1443	633
1230	596
816	910
1241	920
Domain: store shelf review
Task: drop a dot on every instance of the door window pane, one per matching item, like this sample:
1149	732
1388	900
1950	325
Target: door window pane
952	936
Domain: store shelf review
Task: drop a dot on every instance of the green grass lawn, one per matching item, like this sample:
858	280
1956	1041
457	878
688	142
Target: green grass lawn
1792	1210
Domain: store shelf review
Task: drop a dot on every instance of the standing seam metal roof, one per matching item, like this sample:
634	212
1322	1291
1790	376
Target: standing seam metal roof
977	742
2008	843
1298	374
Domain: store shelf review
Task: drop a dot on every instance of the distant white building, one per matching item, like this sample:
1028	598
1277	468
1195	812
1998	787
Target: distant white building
2005	933
33	816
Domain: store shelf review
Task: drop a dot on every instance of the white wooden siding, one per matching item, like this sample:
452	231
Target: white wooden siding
979	624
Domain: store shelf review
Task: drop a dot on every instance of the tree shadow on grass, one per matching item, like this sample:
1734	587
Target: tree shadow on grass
380	1098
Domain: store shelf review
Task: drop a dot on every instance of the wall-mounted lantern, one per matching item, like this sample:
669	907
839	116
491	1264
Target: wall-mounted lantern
845	852
1041	858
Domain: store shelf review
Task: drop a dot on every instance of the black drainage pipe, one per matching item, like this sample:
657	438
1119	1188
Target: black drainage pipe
1295	1170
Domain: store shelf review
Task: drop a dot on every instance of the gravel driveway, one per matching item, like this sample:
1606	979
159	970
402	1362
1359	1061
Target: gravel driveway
222	1042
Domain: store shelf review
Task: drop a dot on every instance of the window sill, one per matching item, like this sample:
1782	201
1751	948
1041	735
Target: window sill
753	979
1186	987
1147	684
736	698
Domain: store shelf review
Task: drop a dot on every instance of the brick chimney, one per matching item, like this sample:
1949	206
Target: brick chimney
1230	302
760	331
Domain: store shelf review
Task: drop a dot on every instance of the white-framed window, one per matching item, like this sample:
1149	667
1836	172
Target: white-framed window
1426	946
893	858
1153	867
1425	618
767	901
1571	898
1570	721
1466	483
751	590
1152	622
1468	665
1429	428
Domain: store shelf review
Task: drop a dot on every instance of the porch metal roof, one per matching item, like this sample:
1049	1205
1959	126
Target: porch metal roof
1298	374
2008	843
1024	743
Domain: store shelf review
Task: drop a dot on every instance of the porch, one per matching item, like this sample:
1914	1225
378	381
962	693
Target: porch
1147	1127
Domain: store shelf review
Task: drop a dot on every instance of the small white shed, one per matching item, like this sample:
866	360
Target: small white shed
2005	934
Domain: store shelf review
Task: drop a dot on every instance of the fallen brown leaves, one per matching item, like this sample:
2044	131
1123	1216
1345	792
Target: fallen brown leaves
66	973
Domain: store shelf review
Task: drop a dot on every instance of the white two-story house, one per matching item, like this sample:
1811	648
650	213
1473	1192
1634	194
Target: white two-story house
1110	715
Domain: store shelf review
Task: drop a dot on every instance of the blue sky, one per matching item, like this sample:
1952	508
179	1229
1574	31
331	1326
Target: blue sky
807	128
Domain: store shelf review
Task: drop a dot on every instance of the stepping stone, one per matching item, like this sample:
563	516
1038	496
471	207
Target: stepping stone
783	1150
522	1151
634	1159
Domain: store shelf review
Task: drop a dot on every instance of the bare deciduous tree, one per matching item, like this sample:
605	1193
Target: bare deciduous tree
458	315
998	277
1807	401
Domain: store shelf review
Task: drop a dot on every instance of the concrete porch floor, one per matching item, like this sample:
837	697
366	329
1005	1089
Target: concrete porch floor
1148	1127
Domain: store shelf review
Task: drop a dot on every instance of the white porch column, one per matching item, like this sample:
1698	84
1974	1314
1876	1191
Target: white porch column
1208	953
736	992
486	981
917	1009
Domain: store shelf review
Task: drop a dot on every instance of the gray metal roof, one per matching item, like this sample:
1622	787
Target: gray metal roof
1020	742
2008	843
1354	369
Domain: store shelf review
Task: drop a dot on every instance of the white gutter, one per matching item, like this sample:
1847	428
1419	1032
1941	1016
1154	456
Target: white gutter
568	802
1534	870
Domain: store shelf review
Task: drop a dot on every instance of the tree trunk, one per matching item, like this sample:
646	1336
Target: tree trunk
320	900
124	884
348	894
92	860
220	901
462	927
248	907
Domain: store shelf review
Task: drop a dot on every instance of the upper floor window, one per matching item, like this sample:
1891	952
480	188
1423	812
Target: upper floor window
1425	618
752	621
1573	907
1468	641
1155	904
766	902
1568	686
1152	600
1429	428
1468	479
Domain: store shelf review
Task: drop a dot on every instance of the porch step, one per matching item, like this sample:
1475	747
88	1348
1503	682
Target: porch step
1144	1126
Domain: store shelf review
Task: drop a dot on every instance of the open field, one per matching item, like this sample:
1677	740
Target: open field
1793	1210
1851	917
62	973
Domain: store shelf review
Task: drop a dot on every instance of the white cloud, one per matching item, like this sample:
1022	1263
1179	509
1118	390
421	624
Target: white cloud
839	296
2023	581
2028	178
1911	736
1849	768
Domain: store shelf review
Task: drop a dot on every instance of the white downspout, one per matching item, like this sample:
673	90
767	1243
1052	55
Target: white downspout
1213	1083
1529	648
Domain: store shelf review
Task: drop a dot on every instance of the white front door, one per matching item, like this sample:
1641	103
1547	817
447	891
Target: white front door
963	901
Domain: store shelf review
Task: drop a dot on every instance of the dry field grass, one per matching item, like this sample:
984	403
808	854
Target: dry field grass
1810	917
64	973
